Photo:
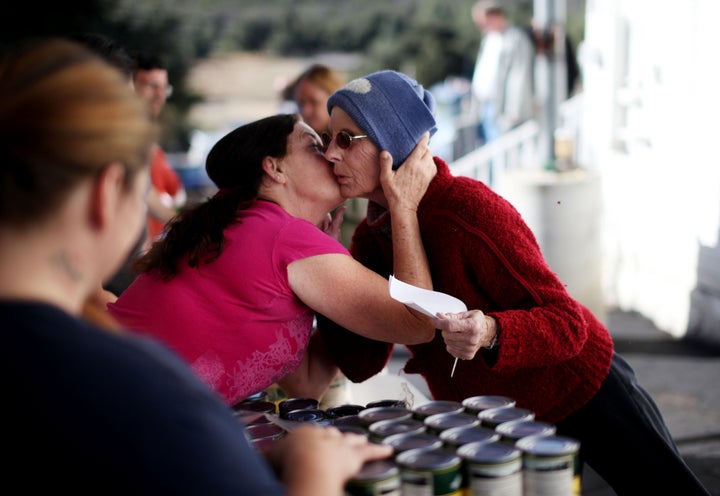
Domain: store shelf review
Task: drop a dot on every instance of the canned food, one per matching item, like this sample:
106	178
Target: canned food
476	404
430	472
343	410
387	402
517	429
355	429
251	418
492	417
376	478
491	469
551	465
442	421
310	416
384	428
434	407
408	440
259	396
458	436
255	406
290	404
378	413
349	420
270	432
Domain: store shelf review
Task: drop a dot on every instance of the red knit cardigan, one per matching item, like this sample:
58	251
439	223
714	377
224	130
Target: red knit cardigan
553	353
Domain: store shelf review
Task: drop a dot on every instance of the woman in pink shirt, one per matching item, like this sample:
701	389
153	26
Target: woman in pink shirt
235	285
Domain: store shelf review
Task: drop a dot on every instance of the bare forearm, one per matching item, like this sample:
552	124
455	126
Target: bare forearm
410	263
316	372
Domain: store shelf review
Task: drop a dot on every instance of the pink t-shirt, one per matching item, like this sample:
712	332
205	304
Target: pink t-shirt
235	320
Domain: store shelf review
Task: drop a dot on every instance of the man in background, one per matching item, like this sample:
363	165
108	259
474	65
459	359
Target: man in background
167	194
502	83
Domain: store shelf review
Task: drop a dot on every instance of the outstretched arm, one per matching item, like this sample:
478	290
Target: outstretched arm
354	296
315	373
320	460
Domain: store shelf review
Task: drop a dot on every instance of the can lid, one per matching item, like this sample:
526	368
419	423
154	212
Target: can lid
548	445
387	402
306	415
354	420
427	459
492	452
251	418
375	414
255	406
344	410
260	395
515	429
496	416
484	402
438	406
464	435
377	470
291	404
355	429
411	440
389	427
258	431
442	421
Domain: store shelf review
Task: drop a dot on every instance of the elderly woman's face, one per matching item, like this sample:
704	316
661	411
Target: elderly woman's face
357	167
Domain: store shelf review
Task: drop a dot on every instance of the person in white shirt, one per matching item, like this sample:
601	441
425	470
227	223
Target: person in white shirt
502	84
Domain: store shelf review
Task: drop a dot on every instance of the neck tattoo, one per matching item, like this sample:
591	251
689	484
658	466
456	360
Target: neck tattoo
61	260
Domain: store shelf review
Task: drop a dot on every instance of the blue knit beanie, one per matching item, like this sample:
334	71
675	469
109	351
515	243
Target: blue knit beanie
393	109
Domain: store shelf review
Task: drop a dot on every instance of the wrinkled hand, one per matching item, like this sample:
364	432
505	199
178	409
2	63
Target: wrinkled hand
466	332
332	224
320	460
405	187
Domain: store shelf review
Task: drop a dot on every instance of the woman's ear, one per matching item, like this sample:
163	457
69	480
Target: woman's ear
107	190
271	166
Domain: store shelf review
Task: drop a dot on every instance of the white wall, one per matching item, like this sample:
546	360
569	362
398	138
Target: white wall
652	129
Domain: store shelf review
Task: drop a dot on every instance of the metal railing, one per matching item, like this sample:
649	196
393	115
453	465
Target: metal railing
517	148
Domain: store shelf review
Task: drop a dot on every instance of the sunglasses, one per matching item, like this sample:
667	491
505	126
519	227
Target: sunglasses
343	139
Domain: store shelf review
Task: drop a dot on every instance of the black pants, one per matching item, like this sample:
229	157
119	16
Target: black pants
623	437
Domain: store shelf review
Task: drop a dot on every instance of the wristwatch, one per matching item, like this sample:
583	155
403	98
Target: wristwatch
495	340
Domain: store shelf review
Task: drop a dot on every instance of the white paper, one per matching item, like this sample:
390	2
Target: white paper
424	300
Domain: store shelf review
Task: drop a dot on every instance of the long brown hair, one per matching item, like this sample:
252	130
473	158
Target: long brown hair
234	164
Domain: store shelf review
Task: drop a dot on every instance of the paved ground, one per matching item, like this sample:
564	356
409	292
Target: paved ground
684	379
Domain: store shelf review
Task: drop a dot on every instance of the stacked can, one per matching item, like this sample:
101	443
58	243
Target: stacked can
550	465
493	417
384	428
476	404
431	472
492	469
425	410
440	422
484	445
458	436
515	430
376	478
412	440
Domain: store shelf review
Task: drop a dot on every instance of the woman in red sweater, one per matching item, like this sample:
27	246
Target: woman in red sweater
528	338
